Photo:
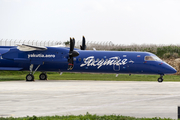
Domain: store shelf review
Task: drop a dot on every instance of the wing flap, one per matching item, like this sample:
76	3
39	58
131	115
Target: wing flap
24	47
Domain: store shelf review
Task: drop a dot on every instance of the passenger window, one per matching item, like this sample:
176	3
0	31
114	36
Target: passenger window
74	59
79	59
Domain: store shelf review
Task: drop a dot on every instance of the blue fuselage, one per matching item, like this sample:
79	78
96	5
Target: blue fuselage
56	59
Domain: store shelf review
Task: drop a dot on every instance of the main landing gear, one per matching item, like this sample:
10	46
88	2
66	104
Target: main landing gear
30	76
160	79
43	76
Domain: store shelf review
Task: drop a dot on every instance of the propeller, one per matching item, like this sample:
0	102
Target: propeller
83	46
72	54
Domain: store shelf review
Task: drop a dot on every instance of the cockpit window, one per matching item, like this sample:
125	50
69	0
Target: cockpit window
152	58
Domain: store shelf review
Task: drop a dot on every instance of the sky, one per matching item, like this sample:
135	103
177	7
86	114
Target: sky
120	21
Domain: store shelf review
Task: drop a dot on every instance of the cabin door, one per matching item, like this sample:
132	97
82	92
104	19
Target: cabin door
116	67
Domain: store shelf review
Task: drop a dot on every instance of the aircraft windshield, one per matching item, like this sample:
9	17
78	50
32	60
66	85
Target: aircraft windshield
152	58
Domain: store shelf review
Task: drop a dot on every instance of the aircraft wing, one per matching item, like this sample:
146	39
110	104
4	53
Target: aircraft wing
24	47
3	50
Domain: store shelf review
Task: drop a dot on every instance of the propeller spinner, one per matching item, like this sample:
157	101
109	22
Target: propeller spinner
72	54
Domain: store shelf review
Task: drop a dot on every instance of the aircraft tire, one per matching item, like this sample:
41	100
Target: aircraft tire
43	76
30	77
160	80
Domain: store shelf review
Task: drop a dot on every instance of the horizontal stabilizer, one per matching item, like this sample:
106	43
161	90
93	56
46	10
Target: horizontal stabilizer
10	68
24	47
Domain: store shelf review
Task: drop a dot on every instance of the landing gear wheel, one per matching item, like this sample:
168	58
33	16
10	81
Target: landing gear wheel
30	77
43	76
160	79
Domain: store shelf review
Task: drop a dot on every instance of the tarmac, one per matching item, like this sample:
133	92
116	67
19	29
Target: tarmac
68	97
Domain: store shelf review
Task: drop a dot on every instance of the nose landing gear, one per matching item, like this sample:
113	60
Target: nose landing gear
160	79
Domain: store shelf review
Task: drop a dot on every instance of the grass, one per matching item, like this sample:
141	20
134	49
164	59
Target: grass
20	75
84	117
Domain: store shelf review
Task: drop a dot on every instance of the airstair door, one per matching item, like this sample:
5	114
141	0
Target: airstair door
116	67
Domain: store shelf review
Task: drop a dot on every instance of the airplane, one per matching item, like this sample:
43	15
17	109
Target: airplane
33	58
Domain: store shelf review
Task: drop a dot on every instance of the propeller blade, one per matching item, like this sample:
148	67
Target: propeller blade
83	41
71	45
72	54
70	63
83	47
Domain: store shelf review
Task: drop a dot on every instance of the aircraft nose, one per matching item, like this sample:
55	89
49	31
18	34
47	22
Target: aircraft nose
169	69
172	70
